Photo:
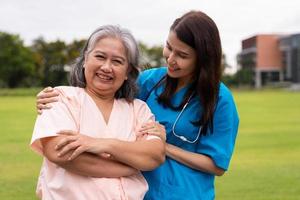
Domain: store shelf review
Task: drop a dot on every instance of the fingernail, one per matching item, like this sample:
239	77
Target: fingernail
59	154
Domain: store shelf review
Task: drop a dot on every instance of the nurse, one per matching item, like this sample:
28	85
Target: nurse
196	108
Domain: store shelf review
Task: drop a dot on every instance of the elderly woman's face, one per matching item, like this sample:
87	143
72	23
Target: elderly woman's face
106	66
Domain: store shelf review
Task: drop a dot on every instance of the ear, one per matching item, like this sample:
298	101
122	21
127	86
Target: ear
84	60
128	72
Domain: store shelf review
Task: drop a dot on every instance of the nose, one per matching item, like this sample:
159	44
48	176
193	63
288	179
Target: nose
106	66
171	58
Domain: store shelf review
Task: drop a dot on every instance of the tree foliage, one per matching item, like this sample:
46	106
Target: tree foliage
51	60
243	77
16	61
151	56
48	63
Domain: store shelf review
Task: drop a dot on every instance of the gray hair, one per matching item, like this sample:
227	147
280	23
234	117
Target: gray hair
129	88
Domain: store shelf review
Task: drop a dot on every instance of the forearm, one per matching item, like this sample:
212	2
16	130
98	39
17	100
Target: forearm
86	164
193	160
91	165
144	155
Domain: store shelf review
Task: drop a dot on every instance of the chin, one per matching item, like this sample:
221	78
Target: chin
172	74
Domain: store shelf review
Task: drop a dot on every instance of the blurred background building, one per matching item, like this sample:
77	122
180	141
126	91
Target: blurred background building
271	58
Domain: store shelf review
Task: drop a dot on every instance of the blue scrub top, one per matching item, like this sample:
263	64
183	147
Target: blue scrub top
173	180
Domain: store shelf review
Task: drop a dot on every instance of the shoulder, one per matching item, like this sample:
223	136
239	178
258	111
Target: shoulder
148	79
142	111
153	74
226	102
137	103
154	71
70	94
69	91
140	106
225	93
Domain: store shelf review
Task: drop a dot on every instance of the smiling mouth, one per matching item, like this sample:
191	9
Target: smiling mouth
104	77
173	69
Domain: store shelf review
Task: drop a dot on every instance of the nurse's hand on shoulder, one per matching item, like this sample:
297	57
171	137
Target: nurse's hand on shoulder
44	97
153	128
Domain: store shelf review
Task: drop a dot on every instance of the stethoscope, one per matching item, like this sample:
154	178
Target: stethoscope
181	137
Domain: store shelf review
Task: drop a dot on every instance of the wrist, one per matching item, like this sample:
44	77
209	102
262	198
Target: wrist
168	149
110	146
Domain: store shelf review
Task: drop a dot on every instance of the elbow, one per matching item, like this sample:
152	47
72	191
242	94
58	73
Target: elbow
53	157
219	172
157	158
160	155
154	163
50	153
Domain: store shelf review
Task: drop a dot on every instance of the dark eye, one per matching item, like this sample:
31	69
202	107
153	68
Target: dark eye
182	56
168	47
99	56
119	62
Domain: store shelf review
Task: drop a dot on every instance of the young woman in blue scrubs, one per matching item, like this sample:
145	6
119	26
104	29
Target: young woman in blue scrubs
196	109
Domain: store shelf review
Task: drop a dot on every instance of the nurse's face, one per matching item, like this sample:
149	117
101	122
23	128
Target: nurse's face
106	67
180	57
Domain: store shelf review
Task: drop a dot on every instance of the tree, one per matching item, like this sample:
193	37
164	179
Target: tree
151	56
51	59
16	62
74	49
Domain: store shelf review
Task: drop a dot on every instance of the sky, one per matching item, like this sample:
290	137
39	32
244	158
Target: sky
148	20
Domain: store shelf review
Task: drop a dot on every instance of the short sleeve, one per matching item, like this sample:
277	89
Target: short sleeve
62	116
219	144
143	115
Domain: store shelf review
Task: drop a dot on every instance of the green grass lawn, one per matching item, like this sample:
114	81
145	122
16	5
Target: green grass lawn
19	166
266	162
265	165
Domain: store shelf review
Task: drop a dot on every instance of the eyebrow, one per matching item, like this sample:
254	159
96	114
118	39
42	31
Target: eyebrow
114	56
179	51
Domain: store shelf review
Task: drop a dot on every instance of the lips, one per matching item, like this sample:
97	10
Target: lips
104	77
173	69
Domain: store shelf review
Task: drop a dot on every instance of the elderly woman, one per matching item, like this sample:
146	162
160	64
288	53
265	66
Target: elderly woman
88	138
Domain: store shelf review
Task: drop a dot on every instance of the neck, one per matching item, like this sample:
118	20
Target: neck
182	82
98	97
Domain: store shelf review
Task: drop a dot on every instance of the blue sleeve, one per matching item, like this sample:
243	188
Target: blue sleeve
219	145
147	80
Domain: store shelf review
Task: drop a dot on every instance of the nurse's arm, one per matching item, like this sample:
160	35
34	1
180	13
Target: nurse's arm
85	164
143	154
193	160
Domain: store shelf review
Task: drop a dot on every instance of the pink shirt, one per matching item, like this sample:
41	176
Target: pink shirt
77	111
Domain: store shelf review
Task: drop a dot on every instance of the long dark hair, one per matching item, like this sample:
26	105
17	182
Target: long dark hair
199	31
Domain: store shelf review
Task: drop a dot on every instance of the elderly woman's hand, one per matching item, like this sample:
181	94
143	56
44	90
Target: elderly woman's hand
153	128
76	144
44	97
